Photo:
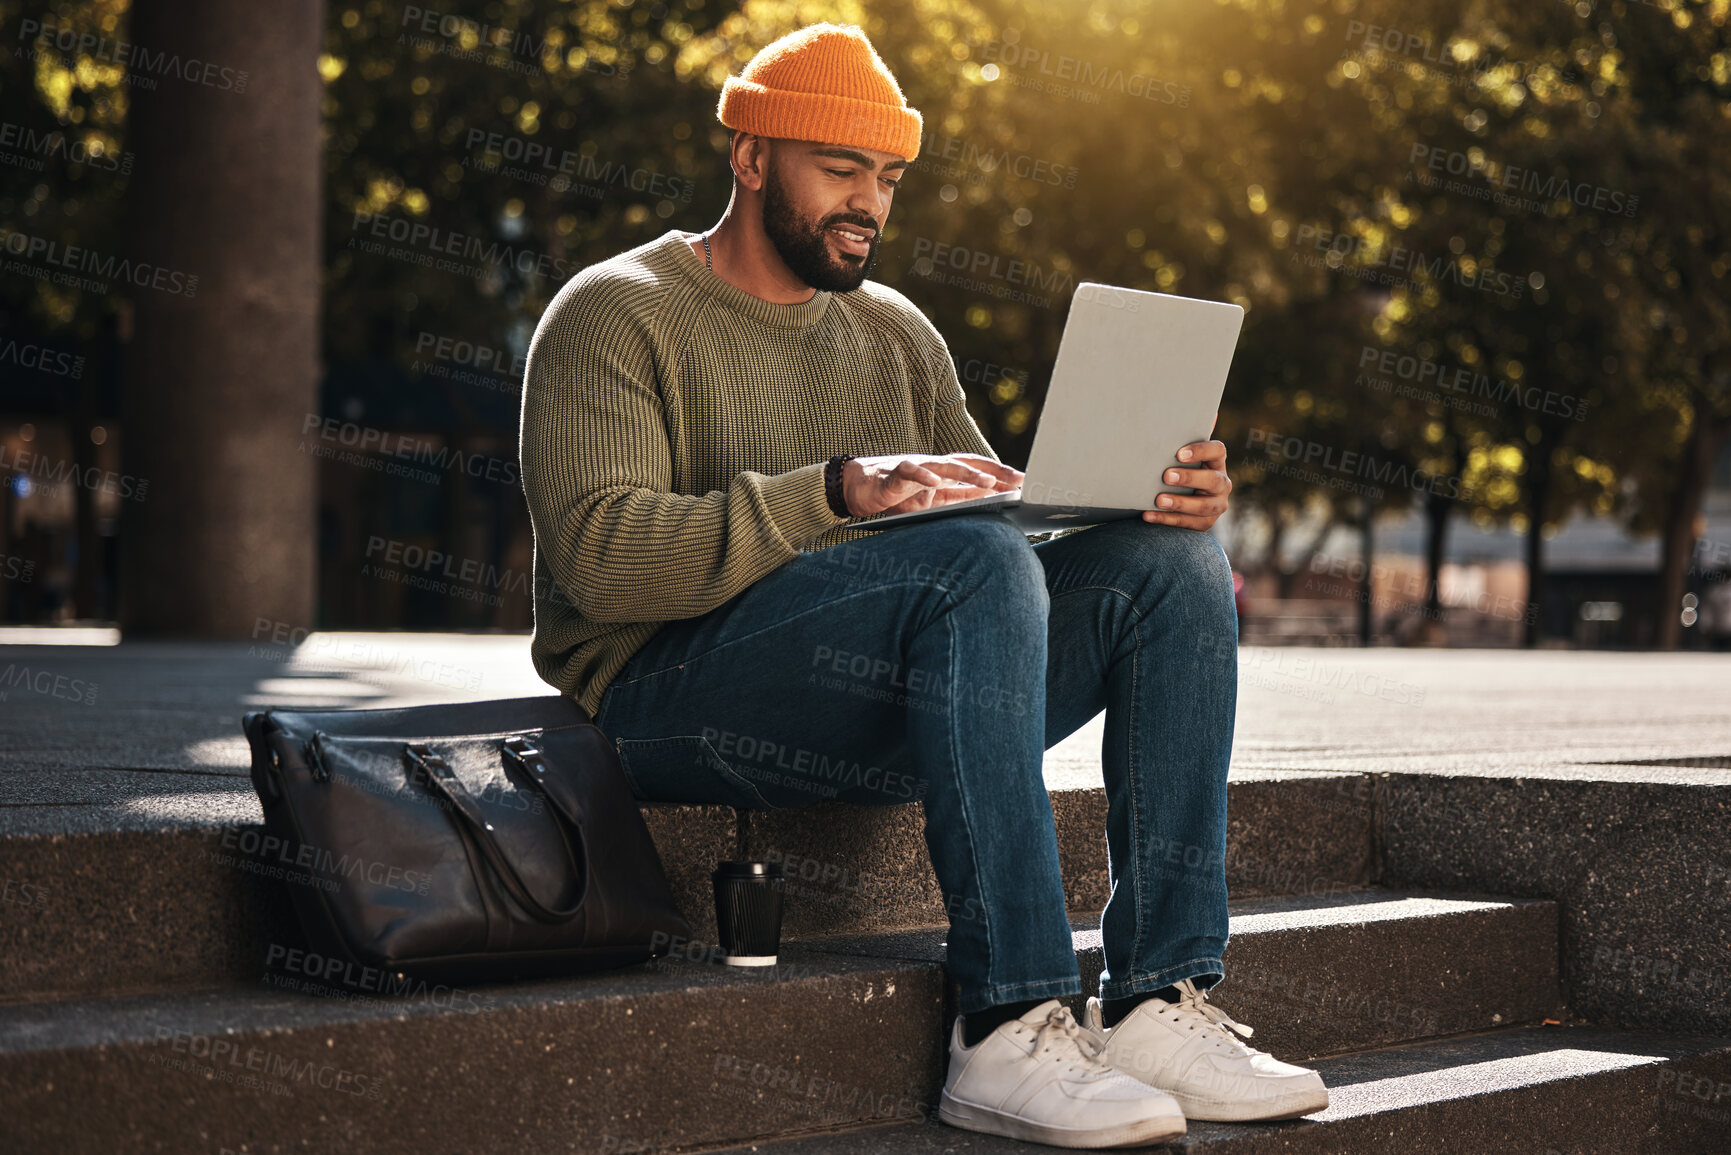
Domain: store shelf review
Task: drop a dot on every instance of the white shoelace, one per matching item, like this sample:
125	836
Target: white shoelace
1194	1001
1078	1047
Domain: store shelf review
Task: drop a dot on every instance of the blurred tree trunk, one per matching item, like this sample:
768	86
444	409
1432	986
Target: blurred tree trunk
1538	487
87	565
1708	434
1307	564
220	378
1366	611
8	580
1277	539
1285	579
1437	510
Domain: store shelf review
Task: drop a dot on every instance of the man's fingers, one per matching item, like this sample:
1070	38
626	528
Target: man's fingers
910	470
1199	452
1206	506
1204	470
927	498
1005	473
965	472
1181	520
908	484
1207	480
932	478
955	493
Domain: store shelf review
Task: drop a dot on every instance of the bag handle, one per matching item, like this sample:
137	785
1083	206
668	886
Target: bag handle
439	774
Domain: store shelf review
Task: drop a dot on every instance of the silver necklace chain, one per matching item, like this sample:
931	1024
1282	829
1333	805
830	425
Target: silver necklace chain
708	259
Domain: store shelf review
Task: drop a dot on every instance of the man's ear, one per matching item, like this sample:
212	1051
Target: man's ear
750	157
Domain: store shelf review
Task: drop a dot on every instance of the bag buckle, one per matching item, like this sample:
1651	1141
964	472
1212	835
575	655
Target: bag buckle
525	754
427	760
315	759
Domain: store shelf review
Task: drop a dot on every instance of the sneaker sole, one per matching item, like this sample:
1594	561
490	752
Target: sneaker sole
974	1117
1291	1106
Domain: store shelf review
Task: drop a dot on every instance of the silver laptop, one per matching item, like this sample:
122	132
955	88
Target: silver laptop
1139	375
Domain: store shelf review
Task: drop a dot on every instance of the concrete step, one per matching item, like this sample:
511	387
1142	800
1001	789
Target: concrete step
642	1056
180	890
674	1053
1597	780
1640	869
1534	1091
1326	975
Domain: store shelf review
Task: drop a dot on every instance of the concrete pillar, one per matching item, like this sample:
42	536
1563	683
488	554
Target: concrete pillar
227	187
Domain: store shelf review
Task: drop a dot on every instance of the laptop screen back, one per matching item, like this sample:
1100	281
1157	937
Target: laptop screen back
1138	375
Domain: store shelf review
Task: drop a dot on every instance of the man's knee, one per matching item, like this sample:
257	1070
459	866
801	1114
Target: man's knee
1171	558
957	550
946	561
1201	557
992	551
987	537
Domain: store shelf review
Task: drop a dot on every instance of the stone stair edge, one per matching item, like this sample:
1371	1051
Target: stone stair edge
111	909
1296	983
1241	780
309	993
1653	1105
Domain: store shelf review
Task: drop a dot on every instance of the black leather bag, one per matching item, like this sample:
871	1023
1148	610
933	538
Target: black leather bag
474	841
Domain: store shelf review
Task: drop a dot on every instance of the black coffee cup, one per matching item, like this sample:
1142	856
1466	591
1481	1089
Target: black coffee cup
748	912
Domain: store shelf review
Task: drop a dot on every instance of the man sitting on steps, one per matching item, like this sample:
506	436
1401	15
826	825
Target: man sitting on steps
702	417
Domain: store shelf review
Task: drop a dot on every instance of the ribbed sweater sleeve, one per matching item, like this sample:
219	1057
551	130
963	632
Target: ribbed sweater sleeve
597	471
953	427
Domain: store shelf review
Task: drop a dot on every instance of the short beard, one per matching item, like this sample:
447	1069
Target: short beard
801	244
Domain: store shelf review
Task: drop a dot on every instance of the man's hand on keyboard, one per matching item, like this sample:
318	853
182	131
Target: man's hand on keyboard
903	483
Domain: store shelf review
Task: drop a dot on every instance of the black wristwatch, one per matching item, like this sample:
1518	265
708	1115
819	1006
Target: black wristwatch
832	486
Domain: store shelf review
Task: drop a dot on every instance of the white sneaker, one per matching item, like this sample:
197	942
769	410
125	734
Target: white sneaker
1184	1049
1043	1078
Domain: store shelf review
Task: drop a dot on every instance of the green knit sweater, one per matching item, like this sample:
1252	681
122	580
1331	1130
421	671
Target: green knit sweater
674	434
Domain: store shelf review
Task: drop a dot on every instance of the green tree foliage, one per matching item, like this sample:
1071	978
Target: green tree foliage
1530	197
66	164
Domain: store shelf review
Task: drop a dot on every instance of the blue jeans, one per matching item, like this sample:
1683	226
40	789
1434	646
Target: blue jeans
935	663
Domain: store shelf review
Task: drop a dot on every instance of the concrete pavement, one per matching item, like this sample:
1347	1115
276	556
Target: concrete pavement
142	735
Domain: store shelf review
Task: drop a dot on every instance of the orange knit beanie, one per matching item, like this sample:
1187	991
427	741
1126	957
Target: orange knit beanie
823	83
